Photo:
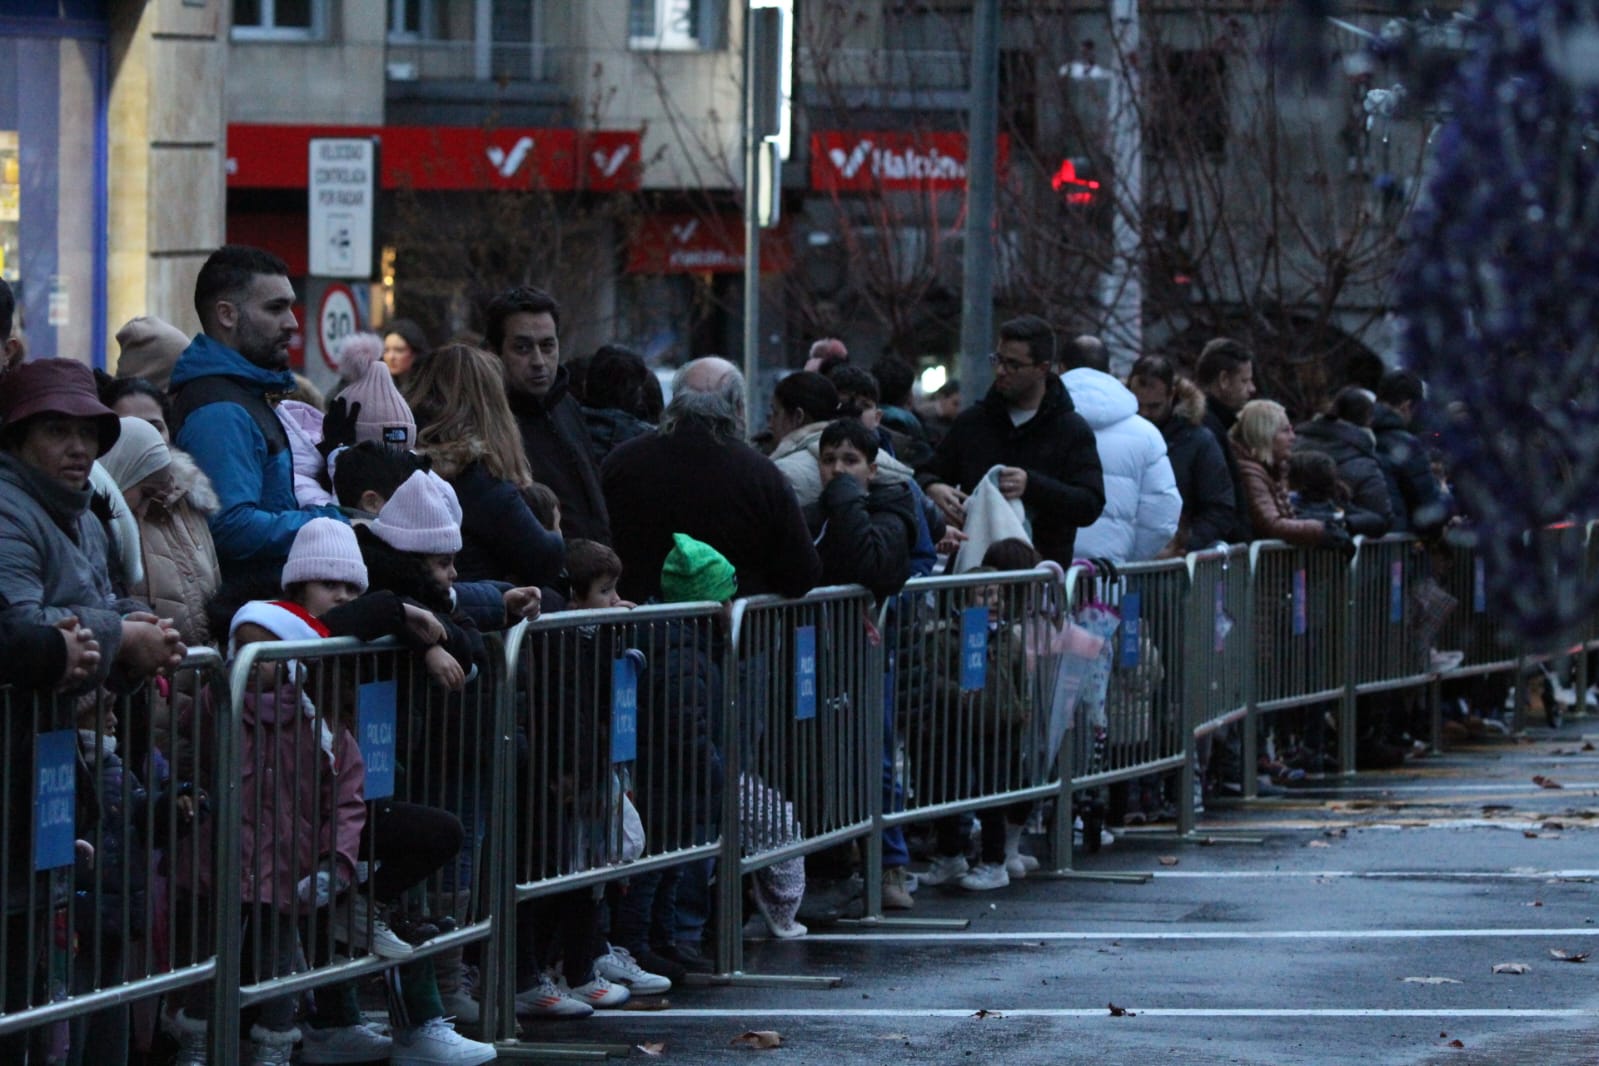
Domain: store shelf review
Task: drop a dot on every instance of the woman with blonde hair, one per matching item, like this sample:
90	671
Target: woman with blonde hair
467	429
1261	440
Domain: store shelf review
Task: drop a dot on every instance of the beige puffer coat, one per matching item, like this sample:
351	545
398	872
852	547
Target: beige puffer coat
180	562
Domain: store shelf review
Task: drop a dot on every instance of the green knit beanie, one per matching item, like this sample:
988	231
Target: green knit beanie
696	571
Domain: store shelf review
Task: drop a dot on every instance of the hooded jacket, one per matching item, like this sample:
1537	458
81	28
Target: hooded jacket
501	539
1418	502
181	572
556	439
1142	504
1200	469
1354	449
53	560
257	513
1065	486
864	536
798	455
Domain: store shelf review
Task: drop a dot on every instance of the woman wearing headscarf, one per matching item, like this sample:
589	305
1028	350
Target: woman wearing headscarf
170	499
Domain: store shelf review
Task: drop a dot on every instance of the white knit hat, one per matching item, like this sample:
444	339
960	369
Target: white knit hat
420	518
325	550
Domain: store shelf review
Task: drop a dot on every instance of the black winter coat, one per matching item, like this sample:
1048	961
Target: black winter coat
1219	419
722	492
1065	483
1200	467
1354	449
1419	505
557	443
864	536
501	540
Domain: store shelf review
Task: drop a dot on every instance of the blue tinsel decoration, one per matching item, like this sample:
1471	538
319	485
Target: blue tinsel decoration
1498	295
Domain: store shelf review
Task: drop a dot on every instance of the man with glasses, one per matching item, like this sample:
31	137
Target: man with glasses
1025	425
521	330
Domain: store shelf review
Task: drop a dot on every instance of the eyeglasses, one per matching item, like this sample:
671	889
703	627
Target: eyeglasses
1010	366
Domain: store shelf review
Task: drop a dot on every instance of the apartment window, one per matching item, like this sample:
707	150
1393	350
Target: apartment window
1187	101
287	20
677	25
416	20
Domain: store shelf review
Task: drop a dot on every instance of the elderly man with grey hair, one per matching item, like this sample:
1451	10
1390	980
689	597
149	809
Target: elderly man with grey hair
699	476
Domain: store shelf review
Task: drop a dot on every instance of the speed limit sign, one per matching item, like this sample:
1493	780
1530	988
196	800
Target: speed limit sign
336	318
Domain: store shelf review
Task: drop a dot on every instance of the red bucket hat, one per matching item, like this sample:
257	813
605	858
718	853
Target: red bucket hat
57	387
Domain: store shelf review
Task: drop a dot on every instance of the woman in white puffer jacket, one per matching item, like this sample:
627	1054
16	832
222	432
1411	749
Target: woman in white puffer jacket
1142	504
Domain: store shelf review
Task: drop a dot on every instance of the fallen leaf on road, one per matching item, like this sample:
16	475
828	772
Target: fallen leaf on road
1457	1043
1432	981
893	1036
1568	956
1511	967
1529	834
1317	844
1207	842
1546	782
1587	745
986	1013
758	1040
1534	903
1121	1012
1339	832
652	1049
1168	860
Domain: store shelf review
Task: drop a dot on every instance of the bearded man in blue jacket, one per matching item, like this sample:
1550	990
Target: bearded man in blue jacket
223	390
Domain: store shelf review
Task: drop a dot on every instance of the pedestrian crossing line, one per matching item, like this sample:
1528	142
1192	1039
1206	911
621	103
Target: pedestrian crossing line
1016	936
1101	1012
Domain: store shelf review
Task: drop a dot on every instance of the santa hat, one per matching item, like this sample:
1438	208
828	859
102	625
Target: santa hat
423	517
384	416
286	621
325	550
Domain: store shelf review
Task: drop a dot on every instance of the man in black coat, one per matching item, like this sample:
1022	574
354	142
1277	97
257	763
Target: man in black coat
522	325
1027	426
1177	408
1226	374
698	476
1419	503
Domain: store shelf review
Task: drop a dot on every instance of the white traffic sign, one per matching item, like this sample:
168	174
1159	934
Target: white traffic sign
336	318
342	180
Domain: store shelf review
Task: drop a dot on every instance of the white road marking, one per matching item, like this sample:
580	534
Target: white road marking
1379	875
1101	1012
1011	936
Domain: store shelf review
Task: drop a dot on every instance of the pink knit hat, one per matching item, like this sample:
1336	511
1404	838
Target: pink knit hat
325	550
421	517
384	416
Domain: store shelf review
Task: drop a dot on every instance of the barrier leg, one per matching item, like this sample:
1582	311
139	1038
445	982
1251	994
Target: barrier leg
1435	714
872	916
1346	733
1249	755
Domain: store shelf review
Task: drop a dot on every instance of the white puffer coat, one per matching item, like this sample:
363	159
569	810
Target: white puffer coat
1142	504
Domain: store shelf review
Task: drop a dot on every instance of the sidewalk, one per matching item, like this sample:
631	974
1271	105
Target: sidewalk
1364	926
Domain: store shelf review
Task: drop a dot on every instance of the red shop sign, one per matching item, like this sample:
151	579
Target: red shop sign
854	161
691	244
447	158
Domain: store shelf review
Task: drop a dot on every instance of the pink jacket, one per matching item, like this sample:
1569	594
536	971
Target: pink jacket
293	766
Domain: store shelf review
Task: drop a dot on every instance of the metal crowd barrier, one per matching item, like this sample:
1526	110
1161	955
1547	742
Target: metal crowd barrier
968	718
804	681
298	811
603	708
99	803
1143	731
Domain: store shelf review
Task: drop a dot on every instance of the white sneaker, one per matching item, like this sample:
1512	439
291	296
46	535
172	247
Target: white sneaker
620	967
436	1043
347	1043
946	870
985	877
357	926
272	1047
1017	865
1106	838
190	1033
545	1000
599	993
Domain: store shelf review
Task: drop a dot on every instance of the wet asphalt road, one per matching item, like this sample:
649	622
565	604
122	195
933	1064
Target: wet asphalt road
1298	949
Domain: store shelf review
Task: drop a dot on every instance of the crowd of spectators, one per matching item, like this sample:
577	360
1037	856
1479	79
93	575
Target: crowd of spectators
453	490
